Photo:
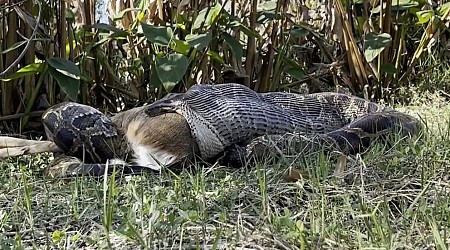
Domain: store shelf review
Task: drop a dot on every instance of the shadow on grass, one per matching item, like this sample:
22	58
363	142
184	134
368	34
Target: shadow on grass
392	196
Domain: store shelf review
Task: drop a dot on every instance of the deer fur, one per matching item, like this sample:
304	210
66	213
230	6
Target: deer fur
154	141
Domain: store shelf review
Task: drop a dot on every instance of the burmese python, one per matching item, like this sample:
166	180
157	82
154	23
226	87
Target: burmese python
226	115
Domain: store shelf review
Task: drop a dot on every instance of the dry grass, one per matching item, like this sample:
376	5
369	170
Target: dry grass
391	197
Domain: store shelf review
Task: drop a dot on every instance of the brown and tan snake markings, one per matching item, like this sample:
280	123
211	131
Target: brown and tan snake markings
211	120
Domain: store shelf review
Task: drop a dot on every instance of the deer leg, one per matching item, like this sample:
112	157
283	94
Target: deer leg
10	146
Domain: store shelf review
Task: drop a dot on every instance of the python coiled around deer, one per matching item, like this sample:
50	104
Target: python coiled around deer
210	120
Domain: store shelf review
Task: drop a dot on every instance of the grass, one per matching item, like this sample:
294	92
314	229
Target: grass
390	197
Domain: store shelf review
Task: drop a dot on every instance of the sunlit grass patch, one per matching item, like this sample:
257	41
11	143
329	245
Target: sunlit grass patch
392	196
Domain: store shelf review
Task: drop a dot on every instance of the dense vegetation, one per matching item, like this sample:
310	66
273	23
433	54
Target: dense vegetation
392	196
54	51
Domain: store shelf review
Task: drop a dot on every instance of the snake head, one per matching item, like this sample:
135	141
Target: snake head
80	130
51	121
166	105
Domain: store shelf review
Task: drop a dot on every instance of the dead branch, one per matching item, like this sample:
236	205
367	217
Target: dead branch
20	115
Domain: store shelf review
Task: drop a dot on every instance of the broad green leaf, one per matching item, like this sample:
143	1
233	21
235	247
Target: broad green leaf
266	16
266	11
293	68
441	10
411	11
119	34
82	33
213	14
120	15
70	15
297	73
137	63
30	69
105	27
424	16
214	55
65	67
398	5
235	23
69	85
299	32
14	46
388	68
361	20
140	16
154	79
199	41
290	62
374	44
67	74
249	32
183	18
171	69
267	5
201	17
157	34
141	13
235	46
180	46
99	42
208	18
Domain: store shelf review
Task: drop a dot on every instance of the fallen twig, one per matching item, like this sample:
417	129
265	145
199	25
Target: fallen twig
17	116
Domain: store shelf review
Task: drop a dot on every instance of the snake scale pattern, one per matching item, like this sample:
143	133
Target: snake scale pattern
224	115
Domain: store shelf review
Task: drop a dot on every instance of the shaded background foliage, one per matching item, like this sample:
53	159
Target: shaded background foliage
54	51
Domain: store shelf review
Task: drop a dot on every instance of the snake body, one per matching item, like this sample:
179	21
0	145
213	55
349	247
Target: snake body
227	114
223	115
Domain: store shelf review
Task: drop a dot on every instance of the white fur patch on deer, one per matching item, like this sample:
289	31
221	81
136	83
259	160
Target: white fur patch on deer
156	142
153	158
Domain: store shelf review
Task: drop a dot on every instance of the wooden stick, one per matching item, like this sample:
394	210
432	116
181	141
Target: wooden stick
17	116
